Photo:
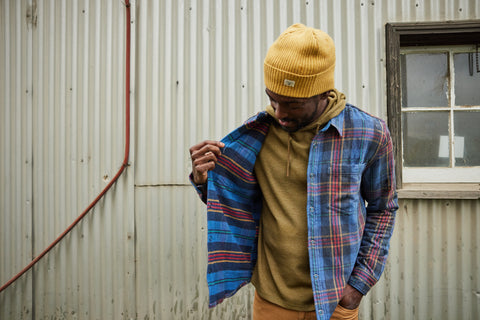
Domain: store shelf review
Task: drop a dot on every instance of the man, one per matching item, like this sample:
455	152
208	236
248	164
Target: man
301	199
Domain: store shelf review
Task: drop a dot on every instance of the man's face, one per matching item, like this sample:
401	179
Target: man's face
295	113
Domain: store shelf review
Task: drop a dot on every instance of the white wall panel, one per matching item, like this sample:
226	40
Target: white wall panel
198	73
220	83
201	64
63	97
16	164
172	261
432	272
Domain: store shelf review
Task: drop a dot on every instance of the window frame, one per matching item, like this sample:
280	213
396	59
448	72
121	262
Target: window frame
399	35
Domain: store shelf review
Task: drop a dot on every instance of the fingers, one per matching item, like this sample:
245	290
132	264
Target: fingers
204	156
351	298
205	146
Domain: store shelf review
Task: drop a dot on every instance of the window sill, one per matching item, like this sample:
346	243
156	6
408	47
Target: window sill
439	191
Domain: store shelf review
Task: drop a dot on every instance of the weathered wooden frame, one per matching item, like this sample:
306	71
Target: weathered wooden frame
399	35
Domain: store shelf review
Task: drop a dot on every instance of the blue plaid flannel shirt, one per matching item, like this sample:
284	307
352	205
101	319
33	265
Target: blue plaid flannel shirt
351	207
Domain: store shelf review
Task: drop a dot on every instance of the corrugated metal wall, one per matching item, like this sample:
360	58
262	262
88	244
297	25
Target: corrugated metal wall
16	190
198	73
62	140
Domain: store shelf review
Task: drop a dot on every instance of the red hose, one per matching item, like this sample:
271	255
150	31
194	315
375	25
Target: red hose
124	164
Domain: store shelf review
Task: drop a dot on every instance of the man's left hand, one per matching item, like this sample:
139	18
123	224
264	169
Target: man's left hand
351	298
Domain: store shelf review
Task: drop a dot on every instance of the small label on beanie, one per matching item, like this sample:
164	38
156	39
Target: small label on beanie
289	83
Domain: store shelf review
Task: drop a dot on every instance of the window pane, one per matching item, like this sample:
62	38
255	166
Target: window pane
467	87
467	138
424	143
424	80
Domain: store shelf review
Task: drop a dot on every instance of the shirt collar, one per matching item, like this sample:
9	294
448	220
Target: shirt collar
336	122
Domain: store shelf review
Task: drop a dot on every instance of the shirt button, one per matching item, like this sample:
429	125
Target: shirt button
320	311
315	276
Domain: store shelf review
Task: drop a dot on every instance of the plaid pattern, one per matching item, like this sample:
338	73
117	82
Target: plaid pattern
351	207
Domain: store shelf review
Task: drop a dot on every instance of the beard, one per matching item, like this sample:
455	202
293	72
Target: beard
299	123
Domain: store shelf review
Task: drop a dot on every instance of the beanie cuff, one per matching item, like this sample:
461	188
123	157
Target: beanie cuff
298	86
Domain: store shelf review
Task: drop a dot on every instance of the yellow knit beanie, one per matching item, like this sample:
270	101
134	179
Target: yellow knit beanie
300	63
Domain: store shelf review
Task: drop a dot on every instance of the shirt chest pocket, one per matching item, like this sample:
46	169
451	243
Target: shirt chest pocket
343	184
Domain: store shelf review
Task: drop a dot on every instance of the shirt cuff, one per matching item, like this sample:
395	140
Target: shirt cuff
361	281
200	188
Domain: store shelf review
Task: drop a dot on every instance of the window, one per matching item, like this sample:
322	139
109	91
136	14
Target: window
433	97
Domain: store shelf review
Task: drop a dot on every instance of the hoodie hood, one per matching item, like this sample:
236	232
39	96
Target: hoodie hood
336	104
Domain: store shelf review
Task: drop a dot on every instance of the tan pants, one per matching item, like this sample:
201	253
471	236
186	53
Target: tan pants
264	310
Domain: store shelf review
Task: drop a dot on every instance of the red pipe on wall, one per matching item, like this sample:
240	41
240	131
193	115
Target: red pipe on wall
120	171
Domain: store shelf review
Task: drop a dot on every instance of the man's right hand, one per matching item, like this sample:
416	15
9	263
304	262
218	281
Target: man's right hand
204	157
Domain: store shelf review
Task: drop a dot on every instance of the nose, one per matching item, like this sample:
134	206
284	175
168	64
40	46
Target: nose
280	111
